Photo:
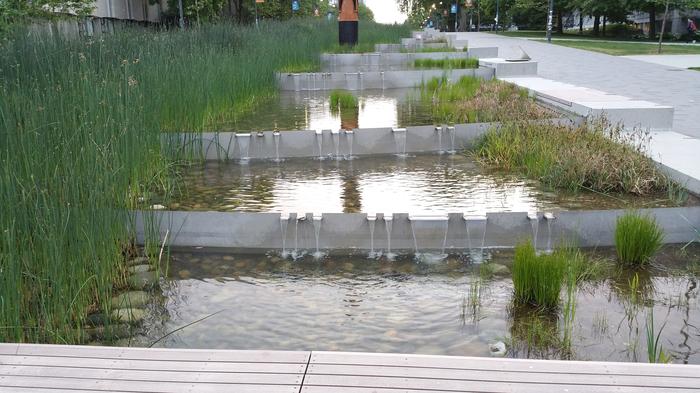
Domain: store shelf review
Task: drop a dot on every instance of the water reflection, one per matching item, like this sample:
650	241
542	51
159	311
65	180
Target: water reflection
312	111
419	185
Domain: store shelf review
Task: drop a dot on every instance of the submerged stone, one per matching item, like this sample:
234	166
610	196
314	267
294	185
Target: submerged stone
137	261
143	280
498	349
139	268
130	299
110	332
97	319
495	269
128	315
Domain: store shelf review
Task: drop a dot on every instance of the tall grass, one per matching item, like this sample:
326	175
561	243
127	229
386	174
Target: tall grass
594	156
369	34
80	143
537	279
637	238
340	99
446	63
472	100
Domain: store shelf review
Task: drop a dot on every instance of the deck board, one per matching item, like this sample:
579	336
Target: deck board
61	368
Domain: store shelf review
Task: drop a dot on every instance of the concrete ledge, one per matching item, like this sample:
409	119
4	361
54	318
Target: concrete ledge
505	69
372	79
343	233
380	61
269	145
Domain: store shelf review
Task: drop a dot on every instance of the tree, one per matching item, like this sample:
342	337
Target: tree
14	11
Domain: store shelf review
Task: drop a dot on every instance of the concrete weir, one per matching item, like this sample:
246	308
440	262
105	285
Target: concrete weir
339	233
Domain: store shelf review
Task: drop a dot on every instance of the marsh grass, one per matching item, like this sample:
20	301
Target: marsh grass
655	351
537	279
446	63
81	125
473	100
341	99
637	238
595	156
370	34
433	50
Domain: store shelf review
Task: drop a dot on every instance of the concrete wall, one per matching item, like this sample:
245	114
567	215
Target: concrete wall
340	232
335	62
372	79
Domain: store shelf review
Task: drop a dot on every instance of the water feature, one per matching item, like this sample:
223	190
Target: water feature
549	217
319	143
335	136
475	223
276	138
312	110
371	220
451	133
438	130
404	306
388	224
423	184
243	141
284	221
535	224
349	138
400	141
317	221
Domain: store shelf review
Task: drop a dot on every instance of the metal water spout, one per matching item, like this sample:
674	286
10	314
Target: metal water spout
400	141
276	139
388	224
284	220
316	221
417	218
549	217
451	131
476	255
438	130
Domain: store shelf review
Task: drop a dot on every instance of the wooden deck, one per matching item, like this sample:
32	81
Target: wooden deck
59	368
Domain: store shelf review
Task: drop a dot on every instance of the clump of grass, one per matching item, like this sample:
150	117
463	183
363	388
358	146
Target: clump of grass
371	33
304	66
637	238
594	156
446	63
471	100
537	279
433	50
341	99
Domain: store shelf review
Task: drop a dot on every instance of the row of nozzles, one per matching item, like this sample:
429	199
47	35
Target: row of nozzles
532	216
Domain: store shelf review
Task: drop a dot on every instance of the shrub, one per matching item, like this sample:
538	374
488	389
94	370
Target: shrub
637	238
537	279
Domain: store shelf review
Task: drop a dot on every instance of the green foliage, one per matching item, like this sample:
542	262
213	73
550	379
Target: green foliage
637	238
81	125
17	11
594	156
369	34
537	279
655	351
446	63
471	100
341	99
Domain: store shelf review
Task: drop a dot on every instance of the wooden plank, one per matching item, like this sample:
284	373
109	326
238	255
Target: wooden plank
8	348
16	389
474	363
502	376
378	383
153	365
165	354
139	386
502	388
161	375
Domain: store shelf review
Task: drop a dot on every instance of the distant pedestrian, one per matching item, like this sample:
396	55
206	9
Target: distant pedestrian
692	30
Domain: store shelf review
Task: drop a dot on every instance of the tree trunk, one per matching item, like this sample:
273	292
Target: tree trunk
596	25
605	22
652	22
663	26
560	22
580	22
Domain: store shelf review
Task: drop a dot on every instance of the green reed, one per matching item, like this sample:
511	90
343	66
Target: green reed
537	279
637	238
446	63
80	144
340	99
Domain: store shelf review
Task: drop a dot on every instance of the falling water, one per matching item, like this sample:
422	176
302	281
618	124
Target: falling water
476	255
335	135
400	141
284	220
371	219
439	134
535	224
382	75
243	147
295	254
415	242
319	143
549	217
388	223
276	138
444	239
317	232
451	133
349	137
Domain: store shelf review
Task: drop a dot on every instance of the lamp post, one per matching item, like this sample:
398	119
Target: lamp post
550	20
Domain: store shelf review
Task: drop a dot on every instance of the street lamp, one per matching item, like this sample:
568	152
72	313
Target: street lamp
550	18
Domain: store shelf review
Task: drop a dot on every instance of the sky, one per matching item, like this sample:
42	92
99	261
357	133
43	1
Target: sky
386	11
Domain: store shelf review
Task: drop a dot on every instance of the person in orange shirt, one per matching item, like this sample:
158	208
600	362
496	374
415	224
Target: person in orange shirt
347	22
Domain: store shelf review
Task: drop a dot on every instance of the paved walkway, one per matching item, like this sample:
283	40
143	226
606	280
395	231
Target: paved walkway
64	369
677	61
615	75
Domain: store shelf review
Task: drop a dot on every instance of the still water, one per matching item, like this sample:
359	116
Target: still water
405	306
424	184
312	111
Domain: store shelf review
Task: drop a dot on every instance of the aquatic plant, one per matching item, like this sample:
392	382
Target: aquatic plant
655	351
637	238
446	63
471	100
594	156
537	279
80	145
341	99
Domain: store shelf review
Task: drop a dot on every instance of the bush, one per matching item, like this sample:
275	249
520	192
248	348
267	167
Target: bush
537	279
342	99
637	238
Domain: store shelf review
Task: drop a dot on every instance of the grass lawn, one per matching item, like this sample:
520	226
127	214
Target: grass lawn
629	48
573	36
